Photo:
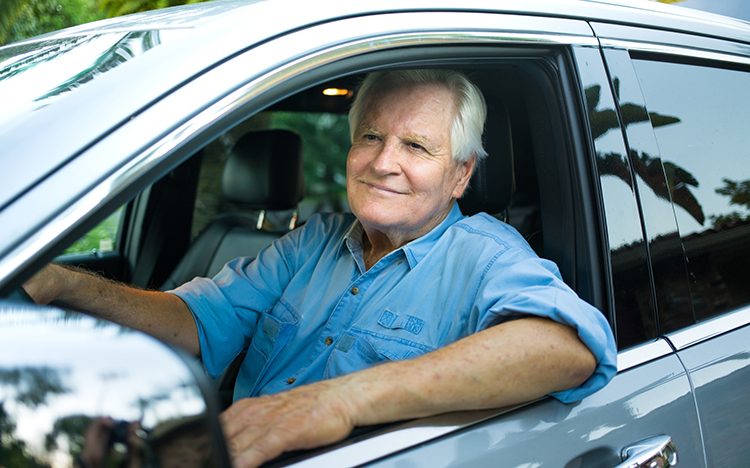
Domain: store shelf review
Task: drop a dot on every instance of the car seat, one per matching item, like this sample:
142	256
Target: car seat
263	172
493	182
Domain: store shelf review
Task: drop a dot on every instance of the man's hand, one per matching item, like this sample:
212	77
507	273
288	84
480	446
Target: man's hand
260	429
507	364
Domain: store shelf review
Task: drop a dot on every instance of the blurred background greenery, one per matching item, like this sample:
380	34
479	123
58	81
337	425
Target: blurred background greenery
21	19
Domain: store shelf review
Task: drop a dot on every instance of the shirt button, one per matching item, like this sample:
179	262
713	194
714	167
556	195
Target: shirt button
329	341
355	290
290	380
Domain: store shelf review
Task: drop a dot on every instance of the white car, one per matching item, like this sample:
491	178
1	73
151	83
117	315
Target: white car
619	146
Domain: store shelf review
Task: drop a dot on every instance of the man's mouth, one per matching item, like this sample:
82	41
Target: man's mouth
382	188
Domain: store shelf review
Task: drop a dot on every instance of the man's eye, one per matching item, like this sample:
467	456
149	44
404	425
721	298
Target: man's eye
416	146
370	137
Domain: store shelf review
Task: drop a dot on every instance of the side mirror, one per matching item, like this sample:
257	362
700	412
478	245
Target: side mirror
76	388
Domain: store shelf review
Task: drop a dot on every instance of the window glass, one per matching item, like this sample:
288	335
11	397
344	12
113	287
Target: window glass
668	268
325	144
705	155
634	309
101	238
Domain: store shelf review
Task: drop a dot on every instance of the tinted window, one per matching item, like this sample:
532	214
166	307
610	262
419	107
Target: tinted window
705	154
631	286
668	270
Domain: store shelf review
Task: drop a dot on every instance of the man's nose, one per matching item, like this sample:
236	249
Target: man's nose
387	161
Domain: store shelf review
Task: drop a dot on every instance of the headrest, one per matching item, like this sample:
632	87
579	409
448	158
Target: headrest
264	171
493	182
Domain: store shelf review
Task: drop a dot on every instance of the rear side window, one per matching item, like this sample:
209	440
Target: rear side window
706	156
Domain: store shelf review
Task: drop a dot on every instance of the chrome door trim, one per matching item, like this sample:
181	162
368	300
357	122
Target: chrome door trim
396	438
664	49
708	329
642	354
62	223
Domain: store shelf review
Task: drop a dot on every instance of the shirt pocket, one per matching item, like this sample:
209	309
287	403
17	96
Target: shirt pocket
359	349
269	338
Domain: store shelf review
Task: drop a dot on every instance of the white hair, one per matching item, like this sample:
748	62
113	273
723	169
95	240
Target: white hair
469	112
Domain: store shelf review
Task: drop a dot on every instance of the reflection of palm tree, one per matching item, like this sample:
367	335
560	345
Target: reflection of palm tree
648	168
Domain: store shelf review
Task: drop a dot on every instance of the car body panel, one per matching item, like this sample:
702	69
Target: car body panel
716	355
649	400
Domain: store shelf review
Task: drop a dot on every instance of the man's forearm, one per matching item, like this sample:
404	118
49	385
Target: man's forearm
508	364
159	314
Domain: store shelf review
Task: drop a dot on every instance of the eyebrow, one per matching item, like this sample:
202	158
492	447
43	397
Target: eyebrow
412	138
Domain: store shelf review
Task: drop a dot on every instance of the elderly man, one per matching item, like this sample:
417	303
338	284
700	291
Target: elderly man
402	309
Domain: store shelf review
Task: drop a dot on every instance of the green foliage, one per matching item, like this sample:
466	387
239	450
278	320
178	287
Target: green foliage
23	19
325	139
114	8
99	238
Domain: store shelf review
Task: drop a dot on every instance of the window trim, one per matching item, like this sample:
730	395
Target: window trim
710	328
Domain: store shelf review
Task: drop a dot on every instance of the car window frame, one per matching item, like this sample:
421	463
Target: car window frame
691	50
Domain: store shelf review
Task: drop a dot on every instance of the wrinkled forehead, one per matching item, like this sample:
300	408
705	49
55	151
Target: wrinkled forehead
386	88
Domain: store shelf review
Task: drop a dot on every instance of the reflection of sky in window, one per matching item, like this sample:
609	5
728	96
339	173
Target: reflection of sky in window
623	224
711	142
106	370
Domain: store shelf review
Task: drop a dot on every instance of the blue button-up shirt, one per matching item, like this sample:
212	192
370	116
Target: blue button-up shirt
307	309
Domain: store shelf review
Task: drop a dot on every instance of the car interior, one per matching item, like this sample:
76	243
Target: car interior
258	179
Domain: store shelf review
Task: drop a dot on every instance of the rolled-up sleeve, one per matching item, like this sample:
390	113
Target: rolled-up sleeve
520	284
227	308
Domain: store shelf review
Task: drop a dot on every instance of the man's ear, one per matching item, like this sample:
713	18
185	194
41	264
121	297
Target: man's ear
465	169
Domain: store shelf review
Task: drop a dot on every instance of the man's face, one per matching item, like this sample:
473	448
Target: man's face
401	179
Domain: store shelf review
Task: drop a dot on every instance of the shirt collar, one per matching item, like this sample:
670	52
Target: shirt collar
353	242
418	249
415	250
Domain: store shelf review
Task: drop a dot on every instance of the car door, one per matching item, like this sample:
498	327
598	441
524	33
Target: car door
694	90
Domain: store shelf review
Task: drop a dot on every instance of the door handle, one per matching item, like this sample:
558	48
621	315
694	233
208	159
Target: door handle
656	452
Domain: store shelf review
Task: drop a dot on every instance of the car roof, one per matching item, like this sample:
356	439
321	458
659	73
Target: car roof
197	15
40	138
